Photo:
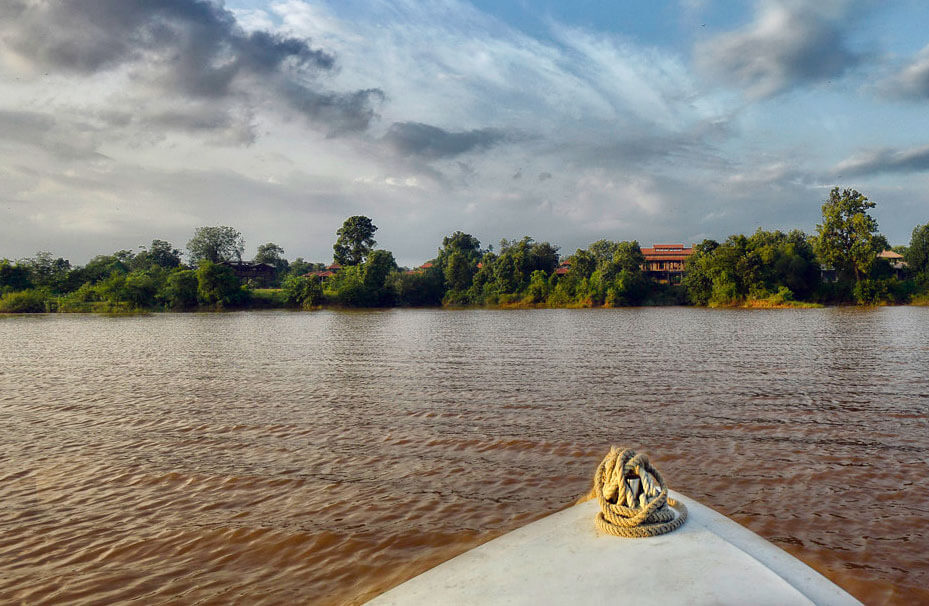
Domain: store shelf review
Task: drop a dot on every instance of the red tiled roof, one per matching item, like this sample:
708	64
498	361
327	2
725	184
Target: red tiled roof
889	254
562	270
334	267
319	274
426	265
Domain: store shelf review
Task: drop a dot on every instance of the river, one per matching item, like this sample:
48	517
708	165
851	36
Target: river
323	457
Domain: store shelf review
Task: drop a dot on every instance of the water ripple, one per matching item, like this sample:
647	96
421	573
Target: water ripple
271	458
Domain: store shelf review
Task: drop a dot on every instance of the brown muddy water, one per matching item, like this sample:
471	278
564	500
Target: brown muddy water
280	458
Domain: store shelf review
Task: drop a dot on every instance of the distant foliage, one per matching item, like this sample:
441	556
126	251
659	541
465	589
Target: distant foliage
180	290
355	240
917	254
24	301
839	264
216	244
218	286
13	277
847	239
303	291
756	267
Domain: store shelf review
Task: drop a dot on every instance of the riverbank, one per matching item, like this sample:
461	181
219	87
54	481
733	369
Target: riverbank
275	298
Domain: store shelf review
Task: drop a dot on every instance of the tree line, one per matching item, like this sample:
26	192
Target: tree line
840	263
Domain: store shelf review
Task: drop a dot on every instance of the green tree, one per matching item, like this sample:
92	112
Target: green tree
847	238
215	244
142	286
917	254
416	289
458	259
602	250
300	267
583	264
25	301
355	241
698	281
100	267
180	289
303	291
537	291
218	285
113	289
272	254
46	271
159	254
458	271
13	276
377	268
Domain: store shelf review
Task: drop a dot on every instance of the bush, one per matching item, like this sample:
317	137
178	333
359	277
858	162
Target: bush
302	291
81	300
872	292
24	302
180	290
417	288
782	296
218	285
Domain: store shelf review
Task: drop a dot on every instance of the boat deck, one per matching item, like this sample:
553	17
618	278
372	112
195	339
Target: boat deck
563	559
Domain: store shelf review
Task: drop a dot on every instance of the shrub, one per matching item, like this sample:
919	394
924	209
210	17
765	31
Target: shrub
180	290
302	291
24	302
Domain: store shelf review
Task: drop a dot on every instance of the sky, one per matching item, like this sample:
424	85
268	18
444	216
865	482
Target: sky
122	121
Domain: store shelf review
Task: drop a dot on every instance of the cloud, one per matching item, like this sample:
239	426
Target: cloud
188	49
789	44
886	161
45	132
432	142
912	81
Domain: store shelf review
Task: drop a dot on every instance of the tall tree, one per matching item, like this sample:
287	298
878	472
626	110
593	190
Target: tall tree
160	254
13	276
458	259
847	238
47	271
163	254
272	254
216	244
917	254
355	241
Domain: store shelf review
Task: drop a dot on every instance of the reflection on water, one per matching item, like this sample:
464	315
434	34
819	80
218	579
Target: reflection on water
324	457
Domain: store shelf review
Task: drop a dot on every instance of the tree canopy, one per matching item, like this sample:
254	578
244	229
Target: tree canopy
847	239
355	241
917	254
216	245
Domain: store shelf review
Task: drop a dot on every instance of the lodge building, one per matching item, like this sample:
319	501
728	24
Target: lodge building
665	263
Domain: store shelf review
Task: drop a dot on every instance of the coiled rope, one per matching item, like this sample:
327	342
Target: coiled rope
633	497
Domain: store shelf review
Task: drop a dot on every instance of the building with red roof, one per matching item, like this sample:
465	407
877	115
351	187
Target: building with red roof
666	263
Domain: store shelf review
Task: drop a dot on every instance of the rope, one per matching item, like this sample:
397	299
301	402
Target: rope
633	497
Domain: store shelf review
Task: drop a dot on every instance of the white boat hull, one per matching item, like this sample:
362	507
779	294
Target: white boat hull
563	559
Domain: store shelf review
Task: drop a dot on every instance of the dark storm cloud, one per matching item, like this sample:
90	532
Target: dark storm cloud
188	48
342	112
788	45
433	143
886	161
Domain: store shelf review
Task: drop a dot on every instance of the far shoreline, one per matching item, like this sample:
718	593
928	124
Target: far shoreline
748	306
